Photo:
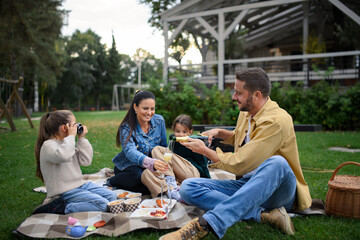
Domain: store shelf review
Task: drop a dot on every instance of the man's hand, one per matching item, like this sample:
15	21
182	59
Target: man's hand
211	133
198	146
195	145
218	133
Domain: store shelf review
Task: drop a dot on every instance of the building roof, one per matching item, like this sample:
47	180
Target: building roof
265	20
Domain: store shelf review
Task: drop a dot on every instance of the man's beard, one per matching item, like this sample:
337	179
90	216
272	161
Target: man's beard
248	105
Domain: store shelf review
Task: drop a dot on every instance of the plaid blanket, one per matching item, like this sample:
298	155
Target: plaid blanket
54	225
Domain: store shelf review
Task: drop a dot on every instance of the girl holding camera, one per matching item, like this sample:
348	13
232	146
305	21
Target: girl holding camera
59	158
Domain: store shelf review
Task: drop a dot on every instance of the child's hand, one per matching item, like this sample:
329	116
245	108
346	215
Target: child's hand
72	130
85	131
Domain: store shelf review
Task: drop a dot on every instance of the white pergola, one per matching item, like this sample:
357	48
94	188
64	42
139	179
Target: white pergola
265	20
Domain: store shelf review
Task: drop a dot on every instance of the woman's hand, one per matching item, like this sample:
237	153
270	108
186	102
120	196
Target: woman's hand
161	165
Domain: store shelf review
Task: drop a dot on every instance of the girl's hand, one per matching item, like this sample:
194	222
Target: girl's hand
161	165
72	130
82	135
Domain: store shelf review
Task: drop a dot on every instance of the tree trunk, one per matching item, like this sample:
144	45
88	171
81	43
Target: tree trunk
97	103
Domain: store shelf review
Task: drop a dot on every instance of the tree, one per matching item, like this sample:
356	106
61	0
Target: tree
179	47
85	70
113	64
28	34
158	7
151	67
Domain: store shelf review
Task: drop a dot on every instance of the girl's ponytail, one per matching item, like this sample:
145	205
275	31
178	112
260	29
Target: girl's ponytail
42	137
49	126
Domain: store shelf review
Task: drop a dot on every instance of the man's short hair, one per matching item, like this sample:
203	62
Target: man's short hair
255	79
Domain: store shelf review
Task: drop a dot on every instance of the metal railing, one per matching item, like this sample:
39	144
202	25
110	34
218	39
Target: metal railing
342	66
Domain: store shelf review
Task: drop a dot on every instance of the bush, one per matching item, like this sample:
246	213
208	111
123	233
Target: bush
205	105
333	107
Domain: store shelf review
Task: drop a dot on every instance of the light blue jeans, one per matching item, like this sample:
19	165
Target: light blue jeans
88	197
229	201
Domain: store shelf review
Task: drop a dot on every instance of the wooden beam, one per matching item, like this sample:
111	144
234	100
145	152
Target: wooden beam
237	20
166	53
346	10
7	115
234	9
221	51
208	27
15	88
177	30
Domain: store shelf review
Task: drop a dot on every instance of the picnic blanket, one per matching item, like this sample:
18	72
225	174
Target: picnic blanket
54	225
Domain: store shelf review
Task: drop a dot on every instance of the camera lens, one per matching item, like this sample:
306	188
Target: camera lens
80	128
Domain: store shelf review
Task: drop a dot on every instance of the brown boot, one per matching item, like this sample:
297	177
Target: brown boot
279	218
192	230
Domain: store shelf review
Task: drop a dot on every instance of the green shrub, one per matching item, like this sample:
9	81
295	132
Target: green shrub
205	105
333	107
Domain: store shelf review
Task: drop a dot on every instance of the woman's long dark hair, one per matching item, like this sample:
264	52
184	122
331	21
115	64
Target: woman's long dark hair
130	117
49	126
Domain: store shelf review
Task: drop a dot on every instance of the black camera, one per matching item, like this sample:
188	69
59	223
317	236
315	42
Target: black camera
80	128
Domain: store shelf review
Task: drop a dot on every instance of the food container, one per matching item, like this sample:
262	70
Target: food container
131	204
121	194
343	196
133	195
116	206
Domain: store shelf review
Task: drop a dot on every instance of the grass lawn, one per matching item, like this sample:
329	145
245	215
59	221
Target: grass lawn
17	178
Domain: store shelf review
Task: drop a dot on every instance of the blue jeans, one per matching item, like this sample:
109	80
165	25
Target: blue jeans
88	197
229	201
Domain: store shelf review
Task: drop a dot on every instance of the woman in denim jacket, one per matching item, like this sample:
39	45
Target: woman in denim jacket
140	131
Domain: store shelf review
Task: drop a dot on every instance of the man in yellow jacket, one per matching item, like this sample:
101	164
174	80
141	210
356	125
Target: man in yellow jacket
265	155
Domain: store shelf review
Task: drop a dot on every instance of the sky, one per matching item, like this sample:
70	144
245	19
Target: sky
126	19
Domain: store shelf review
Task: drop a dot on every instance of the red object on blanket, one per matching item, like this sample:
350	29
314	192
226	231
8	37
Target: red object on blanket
100	224
158	213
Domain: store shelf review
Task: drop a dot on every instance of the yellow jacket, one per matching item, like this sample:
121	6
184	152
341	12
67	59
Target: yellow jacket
271	133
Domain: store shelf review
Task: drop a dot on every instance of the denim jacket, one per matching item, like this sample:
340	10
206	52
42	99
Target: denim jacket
140	144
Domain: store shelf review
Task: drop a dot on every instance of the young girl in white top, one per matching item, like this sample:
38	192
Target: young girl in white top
59	158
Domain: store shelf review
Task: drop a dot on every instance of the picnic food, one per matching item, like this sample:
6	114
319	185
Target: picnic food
158	213
158	202
186	138
114	202
133	195
123	194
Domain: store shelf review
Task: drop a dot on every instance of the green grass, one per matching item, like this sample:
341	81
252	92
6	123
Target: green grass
17	178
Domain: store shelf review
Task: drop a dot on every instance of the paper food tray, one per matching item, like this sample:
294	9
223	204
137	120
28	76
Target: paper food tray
121	191
151	203
145	213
